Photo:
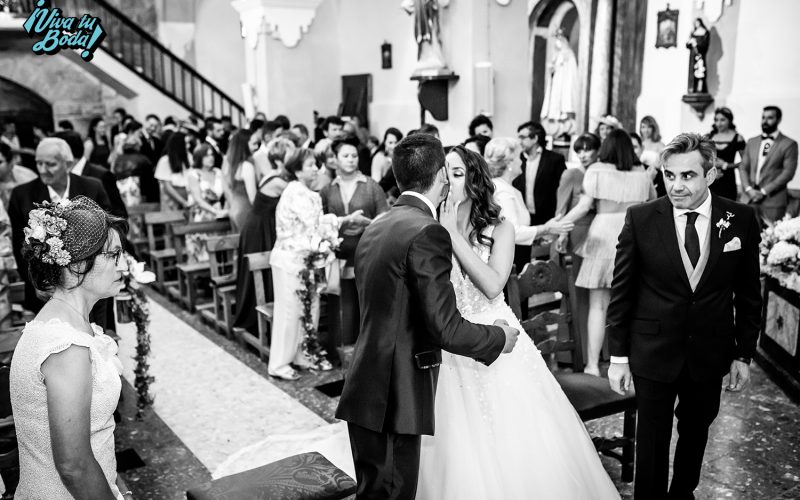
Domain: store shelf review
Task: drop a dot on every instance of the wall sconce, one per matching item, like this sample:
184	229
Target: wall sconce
386	55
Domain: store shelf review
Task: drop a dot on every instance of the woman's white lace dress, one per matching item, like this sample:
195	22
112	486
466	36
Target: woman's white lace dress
505	430
38	475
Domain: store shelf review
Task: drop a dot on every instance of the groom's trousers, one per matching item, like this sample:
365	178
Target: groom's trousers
387	464
698	405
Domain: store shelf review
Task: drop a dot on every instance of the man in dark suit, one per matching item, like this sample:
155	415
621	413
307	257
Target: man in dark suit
768	164
55	183
83	168
538	183
684	264
408	315
151	143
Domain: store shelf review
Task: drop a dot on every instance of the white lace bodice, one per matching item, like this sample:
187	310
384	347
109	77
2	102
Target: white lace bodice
39	478
469	298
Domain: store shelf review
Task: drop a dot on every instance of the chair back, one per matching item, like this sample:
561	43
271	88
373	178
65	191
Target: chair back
155	221
179	231
222	254
258	263
5	391
542	277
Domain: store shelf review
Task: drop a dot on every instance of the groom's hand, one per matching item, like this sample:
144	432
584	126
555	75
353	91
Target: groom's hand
511	335
620	378
740	376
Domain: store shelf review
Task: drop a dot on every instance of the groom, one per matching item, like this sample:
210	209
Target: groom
408	314
685	310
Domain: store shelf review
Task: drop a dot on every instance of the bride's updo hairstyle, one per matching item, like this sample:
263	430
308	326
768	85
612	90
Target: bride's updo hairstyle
479	188
499	153
66	238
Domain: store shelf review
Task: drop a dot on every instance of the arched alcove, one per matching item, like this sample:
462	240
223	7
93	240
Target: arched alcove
26	108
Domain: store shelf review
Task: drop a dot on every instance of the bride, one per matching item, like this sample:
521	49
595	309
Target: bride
506	430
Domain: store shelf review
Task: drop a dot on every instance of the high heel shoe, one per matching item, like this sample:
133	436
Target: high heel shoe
289	374
323	366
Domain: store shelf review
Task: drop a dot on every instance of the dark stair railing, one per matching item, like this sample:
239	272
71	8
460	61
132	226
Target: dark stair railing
139	51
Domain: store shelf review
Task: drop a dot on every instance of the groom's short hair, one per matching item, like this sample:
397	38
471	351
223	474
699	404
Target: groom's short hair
416	161
688	142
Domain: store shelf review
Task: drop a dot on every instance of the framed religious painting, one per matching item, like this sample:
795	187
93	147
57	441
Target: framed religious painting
667	28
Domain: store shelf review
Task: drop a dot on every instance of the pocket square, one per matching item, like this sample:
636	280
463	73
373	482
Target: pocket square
733	245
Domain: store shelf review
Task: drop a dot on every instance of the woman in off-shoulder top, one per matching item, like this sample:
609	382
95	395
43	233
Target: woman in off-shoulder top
65	375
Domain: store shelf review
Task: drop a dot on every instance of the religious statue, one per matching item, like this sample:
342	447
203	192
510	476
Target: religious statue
698	46
561	87
427	33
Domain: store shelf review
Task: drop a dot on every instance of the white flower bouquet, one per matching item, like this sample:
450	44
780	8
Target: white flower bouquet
780	252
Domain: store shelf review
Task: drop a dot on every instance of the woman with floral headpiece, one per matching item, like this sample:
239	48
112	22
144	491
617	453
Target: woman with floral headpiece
65	375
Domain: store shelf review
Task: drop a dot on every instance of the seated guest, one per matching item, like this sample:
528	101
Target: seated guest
65	374
206	186
356	199
382	158
97	145
241	179
55	183
258	234
11	175
171	172
298	216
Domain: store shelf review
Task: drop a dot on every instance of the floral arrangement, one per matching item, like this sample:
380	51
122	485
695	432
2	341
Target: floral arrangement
132	306
322	245
43	234
780	252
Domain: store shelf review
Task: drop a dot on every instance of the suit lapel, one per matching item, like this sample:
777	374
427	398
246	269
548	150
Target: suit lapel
717	213
669	239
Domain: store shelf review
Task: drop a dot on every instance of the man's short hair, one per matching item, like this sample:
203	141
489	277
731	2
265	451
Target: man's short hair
120	111
211	121
350	140
688	142
64	153
73	140
537	132
331	119
170	120
417	159
66	125
776	109
478	121
153	117
283	122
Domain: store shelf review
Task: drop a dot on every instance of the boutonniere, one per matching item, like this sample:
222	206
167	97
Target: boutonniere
723	224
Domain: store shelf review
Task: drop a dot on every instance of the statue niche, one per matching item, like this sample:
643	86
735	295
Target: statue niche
697	95
561	89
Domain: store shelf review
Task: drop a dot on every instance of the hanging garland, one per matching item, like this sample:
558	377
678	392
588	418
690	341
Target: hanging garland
312	282
133	306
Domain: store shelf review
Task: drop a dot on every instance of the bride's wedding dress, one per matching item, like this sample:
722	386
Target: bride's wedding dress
506	430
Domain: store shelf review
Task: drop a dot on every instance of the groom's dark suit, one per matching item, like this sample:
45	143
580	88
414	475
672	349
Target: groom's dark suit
681	332
408	314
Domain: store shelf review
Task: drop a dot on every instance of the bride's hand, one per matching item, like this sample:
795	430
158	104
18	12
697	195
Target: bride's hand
448	215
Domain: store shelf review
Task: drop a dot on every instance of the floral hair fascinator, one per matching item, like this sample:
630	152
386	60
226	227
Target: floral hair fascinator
63	233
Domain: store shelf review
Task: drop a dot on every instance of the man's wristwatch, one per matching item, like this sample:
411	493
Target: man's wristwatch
763	192
743	359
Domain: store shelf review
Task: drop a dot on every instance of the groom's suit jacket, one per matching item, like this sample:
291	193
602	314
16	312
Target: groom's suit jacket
662	318
408	307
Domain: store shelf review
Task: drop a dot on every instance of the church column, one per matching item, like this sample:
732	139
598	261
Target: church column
284	20
601	63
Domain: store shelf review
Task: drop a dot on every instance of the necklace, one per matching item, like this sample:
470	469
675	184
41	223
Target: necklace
77	311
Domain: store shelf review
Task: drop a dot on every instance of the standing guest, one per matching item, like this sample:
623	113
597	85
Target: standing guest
654	171
241	179
151	147
206	186
612	185
332	127
169	128
117	119
97	146
504	161
11	175
538	181
8	135
171	172
298	216
606	124
327	159
382	159
728	143
55	183
481	125
477	144
570	189
258	234
283	123
131	169
301	131
356	199
768	164
65	375
215	136
227	125
651	142
671	323
373	143
350	129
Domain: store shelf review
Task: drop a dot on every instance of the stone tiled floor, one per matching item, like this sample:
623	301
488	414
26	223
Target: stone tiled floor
752	451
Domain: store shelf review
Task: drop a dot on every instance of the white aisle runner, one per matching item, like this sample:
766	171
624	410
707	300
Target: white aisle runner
215	404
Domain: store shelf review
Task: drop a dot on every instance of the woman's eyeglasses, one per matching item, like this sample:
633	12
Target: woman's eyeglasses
116	254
